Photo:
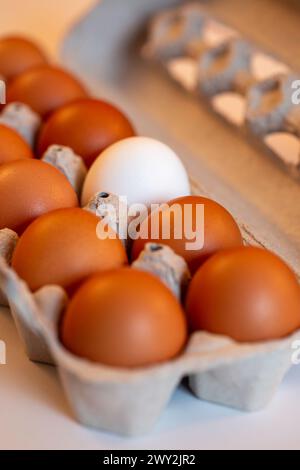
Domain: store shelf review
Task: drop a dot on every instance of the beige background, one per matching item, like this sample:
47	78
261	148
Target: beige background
43	20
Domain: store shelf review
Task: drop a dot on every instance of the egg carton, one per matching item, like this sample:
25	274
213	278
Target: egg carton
130	401
248	87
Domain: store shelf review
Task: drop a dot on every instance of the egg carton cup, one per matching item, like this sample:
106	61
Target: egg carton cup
23	120
165	264
130	401
248	87
68	163
27	308
114	210
8	242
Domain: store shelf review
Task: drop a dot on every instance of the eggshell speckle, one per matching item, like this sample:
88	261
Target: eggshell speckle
144	170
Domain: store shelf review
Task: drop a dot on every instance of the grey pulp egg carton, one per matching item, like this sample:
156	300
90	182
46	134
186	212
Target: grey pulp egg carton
104	49
244	84
130	401
244	376
8	242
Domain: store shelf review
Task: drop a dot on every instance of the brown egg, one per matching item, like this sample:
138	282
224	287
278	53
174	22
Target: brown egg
17	55
124	318
87	126
248	294
184	221
30	188
12	146
45	88
62	248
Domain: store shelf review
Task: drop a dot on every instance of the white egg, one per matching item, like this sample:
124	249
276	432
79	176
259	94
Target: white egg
144	170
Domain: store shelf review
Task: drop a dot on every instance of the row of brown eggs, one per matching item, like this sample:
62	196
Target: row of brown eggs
118	315
70	115
30	188
248	294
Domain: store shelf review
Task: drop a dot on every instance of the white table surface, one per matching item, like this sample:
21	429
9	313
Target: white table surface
33	411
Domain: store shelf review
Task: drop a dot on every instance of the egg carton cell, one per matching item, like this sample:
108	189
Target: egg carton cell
68	163
225	68
8	242
165	264
269	103
22	119
114	209
129	402
246	86
172	31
